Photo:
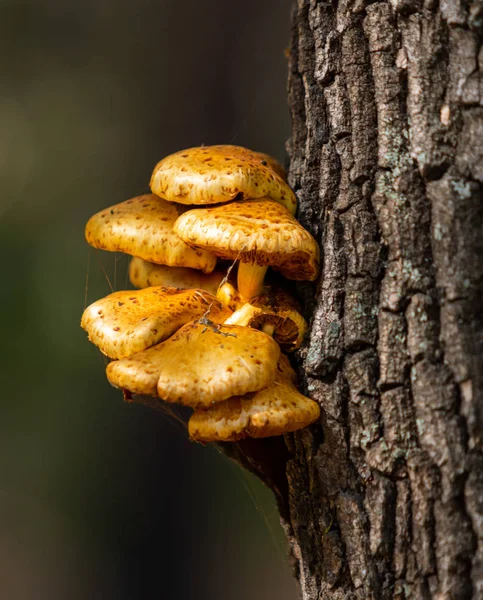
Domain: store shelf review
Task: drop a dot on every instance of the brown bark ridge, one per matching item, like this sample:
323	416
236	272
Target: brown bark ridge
384	498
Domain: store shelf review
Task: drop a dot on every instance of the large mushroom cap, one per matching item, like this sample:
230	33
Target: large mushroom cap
276	313
257	232
200	364
215	174
127	322
144	274
276	409
143	226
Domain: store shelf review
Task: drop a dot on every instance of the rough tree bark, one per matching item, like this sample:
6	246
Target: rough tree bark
384	498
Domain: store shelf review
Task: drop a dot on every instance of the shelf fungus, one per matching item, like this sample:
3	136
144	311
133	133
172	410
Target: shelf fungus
215	174
143	274
189	334
127	322
276	409
259	233
143	227
202	363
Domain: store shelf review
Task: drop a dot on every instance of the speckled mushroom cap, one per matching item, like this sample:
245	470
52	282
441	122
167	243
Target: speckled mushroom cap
258	232
276	310
143	226
274	410
200	364
215	174
273	164
138	373
143	274
127	322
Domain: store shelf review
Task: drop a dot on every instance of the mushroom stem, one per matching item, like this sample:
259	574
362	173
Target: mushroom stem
243	315
269	329
250	280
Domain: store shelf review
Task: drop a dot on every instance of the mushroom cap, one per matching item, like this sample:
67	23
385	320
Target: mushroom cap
143	274
260	232
274	410
215	174
273	164
138	373
200	364
278	310
127	322
143	226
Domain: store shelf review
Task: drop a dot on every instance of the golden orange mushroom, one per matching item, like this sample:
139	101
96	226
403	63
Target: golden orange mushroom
143	226
279	408
275	313
260	233
215	174
127	322
229	296
202	363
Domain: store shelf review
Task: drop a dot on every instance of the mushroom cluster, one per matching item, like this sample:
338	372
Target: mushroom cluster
190	334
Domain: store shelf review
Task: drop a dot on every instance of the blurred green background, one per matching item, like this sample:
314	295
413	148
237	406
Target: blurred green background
98	498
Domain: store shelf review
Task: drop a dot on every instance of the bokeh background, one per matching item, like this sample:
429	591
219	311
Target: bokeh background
98	498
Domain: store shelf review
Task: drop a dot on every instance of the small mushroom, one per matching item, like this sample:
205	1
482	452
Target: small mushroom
143	274
143	226
215	174
229	296
260	233
130	321
274	410
200	364
275	313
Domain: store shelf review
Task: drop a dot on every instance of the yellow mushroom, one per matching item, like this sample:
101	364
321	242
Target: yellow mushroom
144	274
260	233
127	322
274	410
143	226
215	174
200	364
229	296
276	314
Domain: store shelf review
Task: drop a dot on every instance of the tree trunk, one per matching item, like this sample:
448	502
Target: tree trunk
384	498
